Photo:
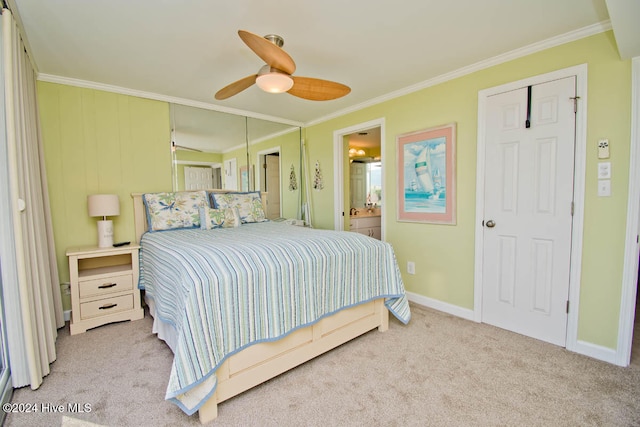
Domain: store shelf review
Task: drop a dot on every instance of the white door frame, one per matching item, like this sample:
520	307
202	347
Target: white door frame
631	249
272	150
580	71
338	168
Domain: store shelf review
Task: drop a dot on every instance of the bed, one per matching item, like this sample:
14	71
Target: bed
239	305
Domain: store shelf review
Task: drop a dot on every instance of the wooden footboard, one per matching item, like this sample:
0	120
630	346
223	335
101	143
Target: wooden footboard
261	362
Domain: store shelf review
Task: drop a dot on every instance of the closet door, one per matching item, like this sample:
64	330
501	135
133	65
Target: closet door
528	204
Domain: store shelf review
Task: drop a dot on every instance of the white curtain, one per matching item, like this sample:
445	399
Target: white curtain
32	299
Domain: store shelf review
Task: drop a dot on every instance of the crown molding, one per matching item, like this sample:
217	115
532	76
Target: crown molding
571	36
50	78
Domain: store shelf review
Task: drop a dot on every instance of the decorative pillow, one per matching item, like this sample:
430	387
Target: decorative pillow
167	211
231	218
211	218
249	205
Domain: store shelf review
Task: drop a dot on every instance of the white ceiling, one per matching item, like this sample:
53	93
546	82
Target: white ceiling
186	50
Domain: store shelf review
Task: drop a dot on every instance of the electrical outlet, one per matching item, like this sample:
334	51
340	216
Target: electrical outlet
411	267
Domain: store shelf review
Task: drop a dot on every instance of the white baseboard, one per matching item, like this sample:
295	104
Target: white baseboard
454	310
67	315
584	348
595	351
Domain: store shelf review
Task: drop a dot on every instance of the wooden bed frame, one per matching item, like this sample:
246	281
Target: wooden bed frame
261	362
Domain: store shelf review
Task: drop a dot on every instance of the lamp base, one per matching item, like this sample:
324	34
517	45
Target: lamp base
105	233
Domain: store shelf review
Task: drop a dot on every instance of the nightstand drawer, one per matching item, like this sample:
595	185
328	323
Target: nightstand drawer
105	286
106	306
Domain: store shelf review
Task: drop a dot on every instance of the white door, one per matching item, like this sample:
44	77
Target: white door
197	178
230	174
528	210
357	187
272	185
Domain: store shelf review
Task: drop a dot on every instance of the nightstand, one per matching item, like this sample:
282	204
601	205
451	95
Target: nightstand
104	286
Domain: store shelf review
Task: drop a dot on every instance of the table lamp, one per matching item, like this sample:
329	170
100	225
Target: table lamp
104	205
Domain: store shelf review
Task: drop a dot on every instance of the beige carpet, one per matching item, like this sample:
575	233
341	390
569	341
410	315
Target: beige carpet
437	371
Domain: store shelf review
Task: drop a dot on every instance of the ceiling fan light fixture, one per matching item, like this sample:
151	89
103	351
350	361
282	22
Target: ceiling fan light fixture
274	82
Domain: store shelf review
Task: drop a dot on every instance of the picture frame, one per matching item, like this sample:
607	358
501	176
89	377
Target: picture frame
427	175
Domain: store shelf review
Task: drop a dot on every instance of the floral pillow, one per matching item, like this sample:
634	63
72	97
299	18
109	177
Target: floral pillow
219	218
211	218
167	211
231	218
249	205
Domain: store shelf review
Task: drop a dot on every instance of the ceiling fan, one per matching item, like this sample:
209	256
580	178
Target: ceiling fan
276	75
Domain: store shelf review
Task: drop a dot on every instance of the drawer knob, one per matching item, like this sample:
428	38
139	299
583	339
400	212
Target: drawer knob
107	306
106	285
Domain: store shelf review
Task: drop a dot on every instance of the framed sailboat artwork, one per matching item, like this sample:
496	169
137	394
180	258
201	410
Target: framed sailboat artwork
426	175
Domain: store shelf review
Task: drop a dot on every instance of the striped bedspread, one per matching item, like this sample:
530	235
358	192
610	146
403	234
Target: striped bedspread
225	289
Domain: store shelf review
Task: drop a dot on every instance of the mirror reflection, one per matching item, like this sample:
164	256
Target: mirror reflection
365	170
212	149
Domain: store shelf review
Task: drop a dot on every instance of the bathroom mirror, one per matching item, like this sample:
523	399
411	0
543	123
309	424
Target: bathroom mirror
213	149
365	170
366	183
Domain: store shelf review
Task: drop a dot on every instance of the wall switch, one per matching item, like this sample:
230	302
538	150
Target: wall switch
603	149
604	170
604	188
411	267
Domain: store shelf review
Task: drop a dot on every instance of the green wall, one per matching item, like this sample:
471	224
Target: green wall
444	254
100	142
289	145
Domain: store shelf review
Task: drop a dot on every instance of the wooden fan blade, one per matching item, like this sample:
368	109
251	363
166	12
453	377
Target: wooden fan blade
273	55
317	89
236	87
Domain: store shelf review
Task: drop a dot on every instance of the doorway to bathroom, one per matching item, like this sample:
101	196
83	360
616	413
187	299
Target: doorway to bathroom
359	166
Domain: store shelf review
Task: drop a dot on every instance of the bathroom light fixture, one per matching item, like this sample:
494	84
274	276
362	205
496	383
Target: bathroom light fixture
356	152
104	205
273	81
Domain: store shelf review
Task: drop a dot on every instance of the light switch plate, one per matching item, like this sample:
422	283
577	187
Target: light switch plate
603	149
604	170
604	188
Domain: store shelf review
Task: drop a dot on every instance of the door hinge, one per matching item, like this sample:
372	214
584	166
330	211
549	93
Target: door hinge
575	103
567	306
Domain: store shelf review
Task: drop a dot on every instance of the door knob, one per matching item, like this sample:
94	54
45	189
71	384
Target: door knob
491	223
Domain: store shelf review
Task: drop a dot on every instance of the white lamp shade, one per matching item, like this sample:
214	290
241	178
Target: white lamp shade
103	205
274	82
